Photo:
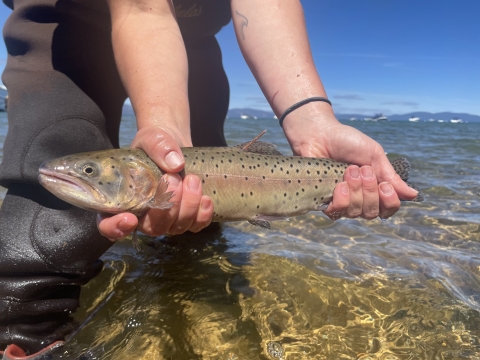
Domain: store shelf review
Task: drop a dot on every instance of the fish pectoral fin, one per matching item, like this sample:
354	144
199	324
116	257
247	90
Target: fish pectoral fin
162	197
135	241
262	223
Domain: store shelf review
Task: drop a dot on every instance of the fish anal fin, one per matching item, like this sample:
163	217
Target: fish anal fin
262	223
162	197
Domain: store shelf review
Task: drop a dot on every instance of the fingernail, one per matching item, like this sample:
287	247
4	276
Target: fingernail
205	204
367	172
193	183
173	159
354	172
344	188
386	188
173	181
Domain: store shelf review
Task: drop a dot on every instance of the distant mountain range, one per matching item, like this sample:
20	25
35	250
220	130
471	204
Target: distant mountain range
262	114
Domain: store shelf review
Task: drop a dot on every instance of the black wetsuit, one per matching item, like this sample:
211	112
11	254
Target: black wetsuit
65	96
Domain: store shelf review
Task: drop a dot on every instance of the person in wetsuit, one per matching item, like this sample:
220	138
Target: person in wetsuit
71	65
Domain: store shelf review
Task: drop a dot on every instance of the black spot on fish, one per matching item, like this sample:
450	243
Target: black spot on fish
299	181
203	160
225	176
216	165
297	171
203	181
100	183
229	160
336	181
243	166
285	194
251	192
258	206
246	178
213	157
113	166
314	199
108	183
263	177
111	157
296	193
291	165
308	171
194	163
281	169
266	164
214	192
289	181
316	186
288	172
243	194
325	172
130	186
320	180
318	172
272	171
336	171
296	207
303	190
221	161
309	163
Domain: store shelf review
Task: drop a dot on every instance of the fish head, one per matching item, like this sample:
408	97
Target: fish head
108	181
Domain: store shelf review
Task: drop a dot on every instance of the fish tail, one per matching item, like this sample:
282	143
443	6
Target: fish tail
402	168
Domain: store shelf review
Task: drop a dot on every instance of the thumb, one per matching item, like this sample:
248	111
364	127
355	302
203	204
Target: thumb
161	147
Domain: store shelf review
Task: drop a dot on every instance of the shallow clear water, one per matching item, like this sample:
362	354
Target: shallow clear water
309	288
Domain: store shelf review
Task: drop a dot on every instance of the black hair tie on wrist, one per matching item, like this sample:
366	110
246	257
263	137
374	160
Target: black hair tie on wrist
301	103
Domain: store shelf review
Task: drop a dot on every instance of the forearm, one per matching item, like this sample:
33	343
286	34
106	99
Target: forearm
274	42
151	58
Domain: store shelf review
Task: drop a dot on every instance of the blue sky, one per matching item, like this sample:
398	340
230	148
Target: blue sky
390	56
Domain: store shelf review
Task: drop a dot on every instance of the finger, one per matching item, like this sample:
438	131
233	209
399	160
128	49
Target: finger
341	199
386	173
191	198
354	180
161	147
370	206
116	227
204	215
157	222
389	201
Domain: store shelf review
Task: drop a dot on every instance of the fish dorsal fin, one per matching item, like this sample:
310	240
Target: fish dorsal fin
259	147
162	197
246	145
402	168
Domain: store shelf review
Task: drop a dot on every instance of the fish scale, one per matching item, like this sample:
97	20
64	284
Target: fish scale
245	185
252	181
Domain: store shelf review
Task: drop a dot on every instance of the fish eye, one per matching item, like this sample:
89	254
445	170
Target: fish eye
88	170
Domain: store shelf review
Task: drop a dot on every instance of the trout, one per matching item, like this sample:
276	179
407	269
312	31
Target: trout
252	181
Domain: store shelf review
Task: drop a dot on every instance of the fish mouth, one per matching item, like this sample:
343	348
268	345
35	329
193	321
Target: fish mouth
66	186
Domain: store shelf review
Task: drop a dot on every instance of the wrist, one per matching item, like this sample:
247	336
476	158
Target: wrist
314	113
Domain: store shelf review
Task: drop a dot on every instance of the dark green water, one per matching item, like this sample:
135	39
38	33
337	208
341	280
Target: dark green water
310	288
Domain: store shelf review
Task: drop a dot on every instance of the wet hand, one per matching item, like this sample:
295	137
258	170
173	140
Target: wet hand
191	210
370	189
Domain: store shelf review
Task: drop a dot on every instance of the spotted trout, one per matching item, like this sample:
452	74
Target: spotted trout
253	182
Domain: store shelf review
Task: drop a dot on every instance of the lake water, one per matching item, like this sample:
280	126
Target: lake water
309	288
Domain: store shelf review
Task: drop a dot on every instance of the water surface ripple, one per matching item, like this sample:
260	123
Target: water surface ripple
310	288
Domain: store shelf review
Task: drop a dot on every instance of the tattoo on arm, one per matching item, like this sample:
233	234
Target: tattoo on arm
244	23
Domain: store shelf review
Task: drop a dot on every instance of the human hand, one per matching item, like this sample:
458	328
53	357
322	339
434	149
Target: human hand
370	189
191	210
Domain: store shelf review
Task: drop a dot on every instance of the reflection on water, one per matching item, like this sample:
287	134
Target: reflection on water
310	288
